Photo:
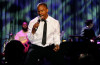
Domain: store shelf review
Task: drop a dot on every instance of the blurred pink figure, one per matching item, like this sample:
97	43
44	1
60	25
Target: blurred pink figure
22	36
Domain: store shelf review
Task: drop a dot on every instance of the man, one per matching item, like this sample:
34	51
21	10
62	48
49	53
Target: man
39	47
89	37
87	32
22	36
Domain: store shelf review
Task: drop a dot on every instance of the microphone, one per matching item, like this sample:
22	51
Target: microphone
39	19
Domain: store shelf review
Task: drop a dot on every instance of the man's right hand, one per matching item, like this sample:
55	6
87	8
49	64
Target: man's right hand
99	36
35	26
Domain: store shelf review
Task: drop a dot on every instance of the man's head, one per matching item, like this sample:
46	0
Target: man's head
42	10
89	23
25	26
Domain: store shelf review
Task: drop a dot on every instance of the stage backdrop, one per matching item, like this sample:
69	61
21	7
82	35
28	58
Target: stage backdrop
71	15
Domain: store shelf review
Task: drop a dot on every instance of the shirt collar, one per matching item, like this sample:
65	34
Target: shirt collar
48	18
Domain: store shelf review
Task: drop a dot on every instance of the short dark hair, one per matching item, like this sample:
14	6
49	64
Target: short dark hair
88	22
44	4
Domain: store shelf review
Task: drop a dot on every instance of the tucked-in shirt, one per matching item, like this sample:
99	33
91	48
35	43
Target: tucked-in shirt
53	32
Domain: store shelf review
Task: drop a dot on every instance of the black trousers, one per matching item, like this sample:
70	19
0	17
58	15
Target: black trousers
36	53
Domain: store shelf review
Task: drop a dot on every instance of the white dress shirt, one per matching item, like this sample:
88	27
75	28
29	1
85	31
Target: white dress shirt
53	32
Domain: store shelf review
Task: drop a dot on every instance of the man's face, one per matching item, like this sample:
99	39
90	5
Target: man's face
25	26
42	11
91	25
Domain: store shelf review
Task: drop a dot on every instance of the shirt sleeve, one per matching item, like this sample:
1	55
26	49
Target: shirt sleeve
57	34
82	32
16	37
29	34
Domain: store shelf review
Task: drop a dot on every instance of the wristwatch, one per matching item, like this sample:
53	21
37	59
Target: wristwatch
35	29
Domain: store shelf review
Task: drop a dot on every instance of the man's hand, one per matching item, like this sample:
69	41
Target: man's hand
99	36
57	47
36	25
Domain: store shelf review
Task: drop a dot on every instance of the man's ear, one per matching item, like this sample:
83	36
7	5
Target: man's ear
47	10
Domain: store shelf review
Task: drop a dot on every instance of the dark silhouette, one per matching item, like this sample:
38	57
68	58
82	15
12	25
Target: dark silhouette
14	51
88	32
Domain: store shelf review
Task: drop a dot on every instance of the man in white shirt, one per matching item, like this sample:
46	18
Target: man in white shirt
51	44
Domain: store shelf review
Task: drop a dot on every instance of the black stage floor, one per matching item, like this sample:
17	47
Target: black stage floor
73	53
